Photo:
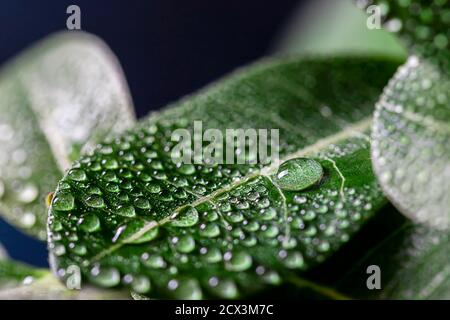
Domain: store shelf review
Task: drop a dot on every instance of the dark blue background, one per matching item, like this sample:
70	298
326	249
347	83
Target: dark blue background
167	49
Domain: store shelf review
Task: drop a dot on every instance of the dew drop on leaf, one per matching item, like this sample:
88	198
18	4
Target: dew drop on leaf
212	255
142	203
298	174
63	202
141	284
94	201
77	175
239	261
90	223
188	217
209	230
126	211
184	244
225	289
153	261
188	289
107	277
187	169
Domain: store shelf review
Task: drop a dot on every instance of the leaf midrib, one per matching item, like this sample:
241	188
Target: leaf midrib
355	129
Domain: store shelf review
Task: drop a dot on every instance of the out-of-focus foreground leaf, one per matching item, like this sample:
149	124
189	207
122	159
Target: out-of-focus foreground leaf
19	281
128	215
62	95
414	264
335	27
411	132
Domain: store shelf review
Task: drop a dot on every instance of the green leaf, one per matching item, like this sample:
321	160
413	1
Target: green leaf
126	214
22	282
330	26
413	262
62	95
411	132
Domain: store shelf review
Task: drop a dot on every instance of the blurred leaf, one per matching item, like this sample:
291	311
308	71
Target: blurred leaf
335	27
22	282
411	132
414	265
64	94
193	231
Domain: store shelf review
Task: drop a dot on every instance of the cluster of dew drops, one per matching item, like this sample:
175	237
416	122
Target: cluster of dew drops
129	183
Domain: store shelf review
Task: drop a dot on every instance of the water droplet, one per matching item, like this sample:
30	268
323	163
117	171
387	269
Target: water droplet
125	211
94	201
59	250
186	289
142	203
63	202
153	187
79	249
110	164
268	214
239	261
77	175
153	261
90	223
225	289
209	230
211	255
187	169
185	244
141	284
292	260
298	174
188	217
105	277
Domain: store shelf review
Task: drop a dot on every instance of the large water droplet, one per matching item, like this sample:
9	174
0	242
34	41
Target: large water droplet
298	174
